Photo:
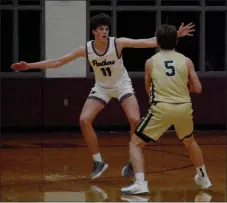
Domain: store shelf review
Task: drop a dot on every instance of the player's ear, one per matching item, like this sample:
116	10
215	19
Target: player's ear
93	31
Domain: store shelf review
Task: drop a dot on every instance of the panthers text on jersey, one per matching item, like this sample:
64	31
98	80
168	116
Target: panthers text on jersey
108	68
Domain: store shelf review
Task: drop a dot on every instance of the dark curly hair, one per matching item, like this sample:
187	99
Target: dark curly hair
100	20
167	37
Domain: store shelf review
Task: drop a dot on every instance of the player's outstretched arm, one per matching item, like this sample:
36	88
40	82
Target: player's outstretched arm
51	63
194	82
148	76
152	42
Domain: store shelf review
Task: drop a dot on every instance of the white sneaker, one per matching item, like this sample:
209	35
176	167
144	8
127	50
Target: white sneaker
136	188
203	182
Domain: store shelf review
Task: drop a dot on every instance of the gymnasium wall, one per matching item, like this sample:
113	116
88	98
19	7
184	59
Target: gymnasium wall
65	30
58	103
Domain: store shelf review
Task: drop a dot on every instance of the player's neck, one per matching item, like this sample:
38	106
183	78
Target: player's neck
167	50
100	45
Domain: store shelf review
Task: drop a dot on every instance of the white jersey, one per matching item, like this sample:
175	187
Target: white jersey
108	68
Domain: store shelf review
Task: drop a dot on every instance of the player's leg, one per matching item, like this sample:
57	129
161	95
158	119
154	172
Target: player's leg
131	109
151	128
184	129
195	153
93	106
140	186
126	96
90	110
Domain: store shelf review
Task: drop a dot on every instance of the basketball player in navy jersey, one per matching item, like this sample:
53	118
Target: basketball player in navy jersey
111	78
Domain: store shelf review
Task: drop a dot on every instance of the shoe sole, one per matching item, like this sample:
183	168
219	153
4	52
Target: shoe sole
101	172
209	185
125	176
206	187
129	193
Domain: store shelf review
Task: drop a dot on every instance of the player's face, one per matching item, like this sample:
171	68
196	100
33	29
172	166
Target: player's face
101	33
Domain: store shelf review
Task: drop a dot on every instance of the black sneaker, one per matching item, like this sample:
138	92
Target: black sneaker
98	169
127	171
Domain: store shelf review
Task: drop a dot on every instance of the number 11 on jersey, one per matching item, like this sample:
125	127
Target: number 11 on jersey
106	71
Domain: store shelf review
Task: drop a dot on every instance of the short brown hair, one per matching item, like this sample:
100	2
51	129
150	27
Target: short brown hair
167	37
100	20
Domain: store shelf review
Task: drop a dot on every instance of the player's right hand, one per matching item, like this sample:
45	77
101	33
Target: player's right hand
22	65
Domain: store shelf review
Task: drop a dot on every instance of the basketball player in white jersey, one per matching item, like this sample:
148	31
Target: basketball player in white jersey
111	78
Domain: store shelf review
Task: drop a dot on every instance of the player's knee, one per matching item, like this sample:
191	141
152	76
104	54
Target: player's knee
134	121
84	121
132	144
135	142
188	142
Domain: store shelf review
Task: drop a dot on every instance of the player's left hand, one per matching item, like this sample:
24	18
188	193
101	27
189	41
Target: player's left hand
186	30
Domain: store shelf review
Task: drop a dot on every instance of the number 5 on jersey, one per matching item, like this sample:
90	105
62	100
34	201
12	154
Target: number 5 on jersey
169	65
106	71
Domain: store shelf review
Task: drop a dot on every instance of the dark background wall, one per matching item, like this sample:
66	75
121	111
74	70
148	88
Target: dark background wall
40	103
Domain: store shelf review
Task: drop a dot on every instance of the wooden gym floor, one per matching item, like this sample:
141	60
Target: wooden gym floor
55	167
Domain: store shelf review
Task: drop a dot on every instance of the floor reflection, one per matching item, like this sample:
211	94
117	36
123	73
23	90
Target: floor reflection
104	191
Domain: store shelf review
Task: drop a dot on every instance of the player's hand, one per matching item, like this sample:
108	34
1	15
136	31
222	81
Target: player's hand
186	30
22	65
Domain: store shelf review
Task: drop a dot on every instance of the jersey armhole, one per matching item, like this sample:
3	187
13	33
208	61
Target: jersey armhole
186	64
151	60
116	49
87	54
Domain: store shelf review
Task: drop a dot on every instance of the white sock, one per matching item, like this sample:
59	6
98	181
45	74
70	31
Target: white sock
140	177
201	171
97	157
